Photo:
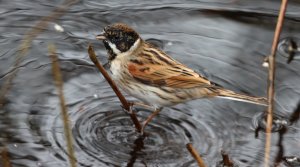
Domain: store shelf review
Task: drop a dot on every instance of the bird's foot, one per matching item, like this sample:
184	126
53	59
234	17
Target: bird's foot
134	103
149	118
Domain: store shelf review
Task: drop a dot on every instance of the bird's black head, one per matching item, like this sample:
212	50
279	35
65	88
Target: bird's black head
118	38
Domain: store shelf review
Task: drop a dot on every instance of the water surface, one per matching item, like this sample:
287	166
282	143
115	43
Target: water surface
226	41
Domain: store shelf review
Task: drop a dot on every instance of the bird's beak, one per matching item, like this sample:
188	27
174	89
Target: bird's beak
101	36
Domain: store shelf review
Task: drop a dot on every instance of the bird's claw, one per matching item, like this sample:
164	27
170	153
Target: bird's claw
131	108
144	124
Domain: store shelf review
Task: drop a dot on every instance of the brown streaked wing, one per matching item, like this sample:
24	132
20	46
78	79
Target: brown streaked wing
173	75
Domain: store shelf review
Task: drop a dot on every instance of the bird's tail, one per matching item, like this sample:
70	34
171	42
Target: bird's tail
227	94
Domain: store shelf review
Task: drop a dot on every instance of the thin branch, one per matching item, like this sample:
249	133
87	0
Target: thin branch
112	84
271	79
59	85
107	77
195	154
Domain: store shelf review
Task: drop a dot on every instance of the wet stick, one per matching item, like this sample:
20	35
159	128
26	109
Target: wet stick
271	79
59	85
195	154
122	99
138	147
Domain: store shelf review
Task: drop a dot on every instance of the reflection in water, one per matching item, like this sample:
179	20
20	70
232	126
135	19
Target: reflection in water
224	40
111	133
138	146
289	48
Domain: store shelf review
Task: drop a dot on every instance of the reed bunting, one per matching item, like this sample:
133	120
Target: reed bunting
150	75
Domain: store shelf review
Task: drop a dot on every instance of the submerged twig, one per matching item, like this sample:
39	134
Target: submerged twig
292	48
138	146
295	115
26	43
271	79
226	160
123	100
5	158
59	85
195	154
280	152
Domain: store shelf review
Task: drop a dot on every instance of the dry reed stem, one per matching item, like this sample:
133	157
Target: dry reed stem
24	48
5	157
271	79
59	85
112	84
195	154
26	43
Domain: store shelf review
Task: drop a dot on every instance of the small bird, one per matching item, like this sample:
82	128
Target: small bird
149	74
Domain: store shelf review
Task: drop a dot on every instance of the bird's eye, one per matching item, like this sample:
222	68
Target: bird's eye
116	38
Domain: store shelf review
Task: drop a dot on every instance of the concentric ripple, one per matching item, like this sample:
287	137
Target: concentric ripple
292	161
259	122
288	46
104	134
223	40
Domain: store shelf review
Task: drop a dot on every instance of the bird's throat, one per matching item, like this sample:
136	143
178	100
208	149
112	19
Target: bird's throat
111	54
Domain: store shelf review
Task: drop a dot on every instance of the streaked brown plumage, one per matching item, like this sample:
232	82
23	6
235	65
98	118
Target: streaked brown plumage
150	75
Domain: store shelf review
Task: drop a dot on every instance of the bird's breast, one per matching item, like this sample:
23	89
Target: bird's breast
116	69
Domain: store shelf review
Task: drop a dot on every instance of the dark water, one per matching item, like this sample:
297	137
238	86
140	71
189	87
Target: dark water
224	40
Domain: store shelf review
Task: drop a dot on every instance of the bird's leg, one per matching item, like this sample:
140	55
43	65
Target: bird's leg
149	118
134	103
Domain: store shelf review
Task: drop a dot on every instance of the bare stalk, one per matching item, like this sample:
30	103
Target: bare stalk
112	84
271	79
195	154
65	117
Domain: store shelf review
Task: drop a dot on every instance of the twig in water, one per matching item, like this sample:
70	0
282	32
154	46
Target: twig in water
138	146
280	152
59	85
296	114
226	160
271	79
195	154
124	102
292	48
